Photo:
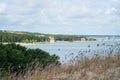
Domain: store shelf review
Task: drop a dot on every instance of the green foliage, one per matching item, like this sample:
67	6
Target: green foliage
26	38
33	37
68	38
15	58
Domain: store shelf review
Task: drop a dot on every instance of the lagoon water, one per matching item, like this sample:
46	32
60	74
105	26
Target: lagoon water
69	50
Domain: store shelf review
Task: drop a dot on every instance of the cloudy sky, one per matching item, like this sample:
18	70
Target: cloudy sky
61	16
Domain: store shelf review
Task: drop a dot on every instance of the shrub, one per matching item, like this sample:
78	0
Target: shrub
16	59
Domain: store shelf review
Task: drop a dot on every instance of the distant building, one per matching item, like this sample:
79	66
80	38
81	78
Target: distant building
83	39
52	39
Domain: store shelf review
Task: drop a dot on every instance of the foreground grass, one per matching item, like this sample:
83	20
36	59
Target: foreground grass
96	68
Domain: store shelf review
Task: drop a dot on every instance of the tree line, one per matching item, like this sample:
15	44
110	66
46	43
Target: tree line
27	38
32	37
68	38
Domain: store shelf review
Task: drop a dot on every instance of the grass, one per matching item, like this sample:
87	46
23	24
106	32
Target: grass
96	68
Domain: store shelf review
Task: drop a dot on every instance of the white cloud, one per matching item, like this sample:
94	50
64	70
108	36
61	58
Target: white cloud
64	13
3	7
111	11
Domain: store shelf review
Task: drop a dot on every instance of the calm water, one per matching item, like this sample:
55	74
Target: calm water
69	50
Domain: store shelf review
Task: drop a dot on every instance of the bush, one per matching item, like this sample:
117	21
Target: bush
15	58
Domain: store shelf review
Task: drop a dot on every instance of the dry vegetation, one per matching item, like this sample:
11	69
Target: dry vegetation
96	68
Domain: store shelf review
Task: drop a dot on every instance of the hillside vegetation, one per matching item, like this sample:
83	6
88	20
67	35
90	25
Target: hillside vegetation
28	37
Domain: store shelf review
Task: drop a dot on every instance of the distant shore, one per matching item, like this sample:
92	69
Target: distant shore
37	43
23	44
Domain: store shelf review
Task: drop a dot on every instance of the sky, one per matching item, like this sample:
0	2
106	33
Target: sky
82	17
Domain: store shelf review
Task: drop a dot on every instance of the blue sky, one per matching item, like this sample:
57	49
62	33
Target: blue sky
61	16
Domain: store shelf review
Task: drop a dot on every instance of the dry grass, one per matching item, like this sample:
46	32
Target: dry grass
96	68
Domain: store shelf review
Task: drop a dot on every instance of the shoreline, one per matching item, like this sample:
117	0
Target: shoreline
22	44
37	43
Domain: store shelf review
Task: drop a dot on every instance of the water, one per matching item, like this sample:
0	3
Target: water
69	50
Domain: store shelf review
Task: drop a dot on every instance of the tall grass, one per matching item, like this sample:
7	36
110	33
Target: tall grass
95	68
